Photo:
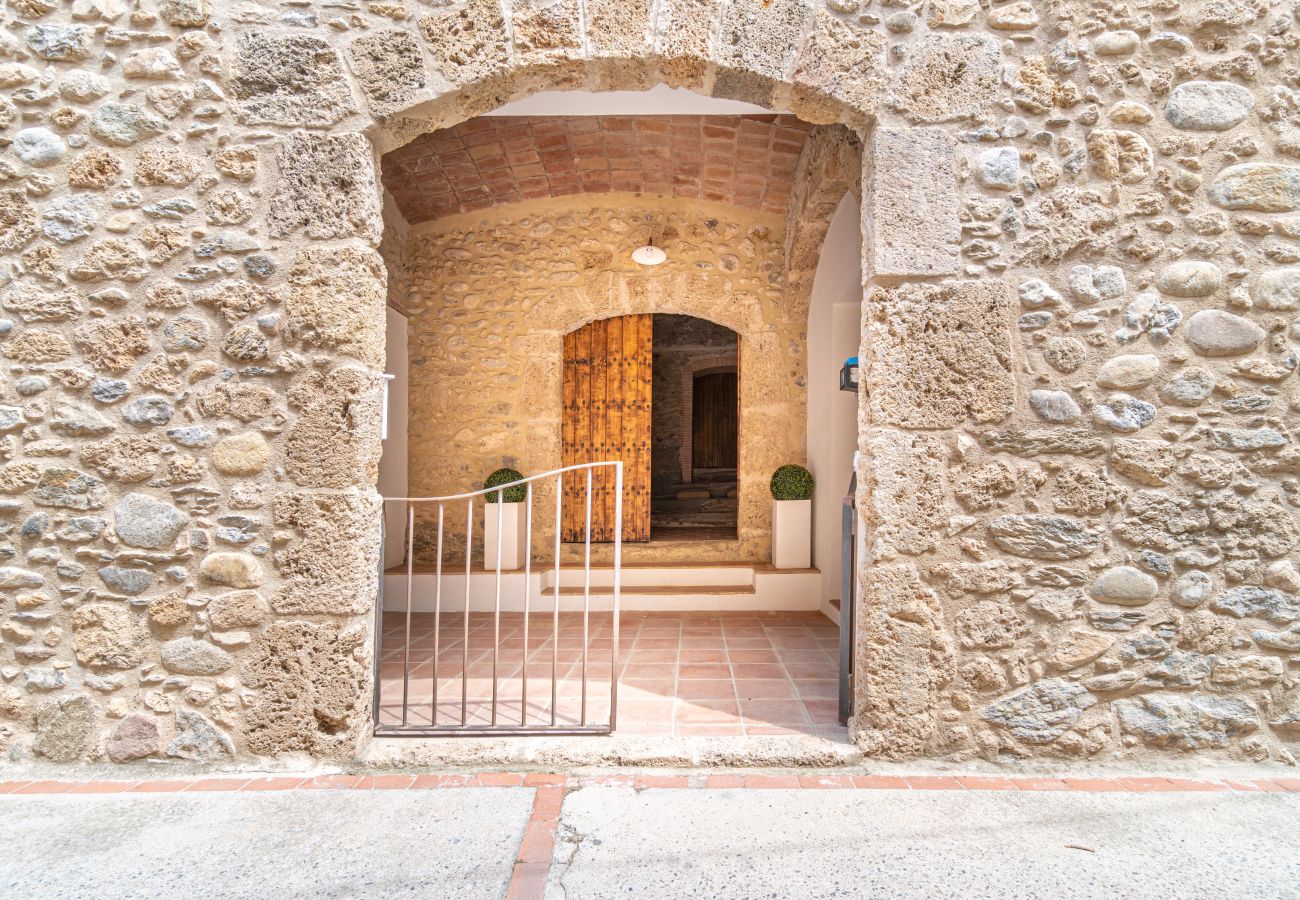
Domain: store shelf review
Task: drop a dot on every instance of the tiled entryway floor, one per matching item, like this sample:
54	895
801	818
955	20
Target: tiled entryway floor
683	674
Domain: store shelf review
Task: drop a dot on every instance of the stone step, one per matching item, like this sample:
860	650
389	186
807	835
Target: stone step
684	577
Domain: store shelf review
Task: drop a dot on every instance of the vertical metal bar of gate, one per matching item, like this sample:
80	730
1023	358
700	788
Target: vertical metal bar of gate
528	590
494	724
437	617
496	605
555	615
848	595
410	570
618	577
586	602
464	647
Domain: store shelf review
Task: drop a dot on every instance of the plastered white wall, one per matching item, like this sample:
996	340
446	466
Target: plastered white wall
833	318
392	465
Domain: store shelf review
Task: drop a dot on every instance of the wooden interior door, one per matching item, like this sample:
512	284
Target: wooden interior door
607	381
713	421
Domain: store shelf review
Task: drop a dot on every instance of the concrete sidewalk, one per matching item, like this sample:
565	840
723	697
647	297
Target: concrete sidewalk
617	842
445	843
648	841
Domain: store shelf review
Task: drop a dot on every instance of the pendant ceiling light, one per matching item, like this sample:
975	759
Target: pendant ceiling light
649	255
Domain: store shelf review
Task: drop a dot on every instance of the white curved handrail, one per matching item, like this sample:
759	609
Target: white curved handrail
618	463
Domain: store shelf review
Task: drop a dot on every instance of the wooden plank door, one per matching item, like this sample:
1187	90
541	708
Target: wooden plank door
713	421
607	381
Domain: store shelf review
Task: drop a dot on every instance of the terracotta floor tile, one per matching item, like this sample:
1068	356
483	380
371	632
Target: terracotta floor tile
714	655
770	729
706	689
754	656
757	670
691	671
765	689
774	711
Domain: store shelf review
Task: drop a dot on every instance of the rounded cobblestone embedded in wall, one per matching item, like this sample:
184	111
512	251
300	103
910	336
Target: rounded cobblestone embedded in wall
141	520
241	454
239	570
1208	105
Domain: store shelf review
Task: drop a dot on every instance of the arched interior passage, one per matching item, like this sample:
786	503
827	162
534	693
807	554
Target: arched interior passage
514	235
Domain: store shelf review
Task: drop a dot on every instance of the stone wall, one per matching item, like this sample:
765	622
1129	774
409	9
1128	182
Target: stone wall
493	293
1095	406
1081	241
192	306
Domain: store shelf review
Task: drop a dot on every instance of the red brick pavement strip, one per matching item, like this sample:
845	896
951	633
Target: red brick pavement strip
533	864
548	783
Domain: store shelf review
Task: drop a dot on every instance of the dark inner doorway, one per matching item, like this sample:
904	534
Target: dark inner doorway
714	414
695	430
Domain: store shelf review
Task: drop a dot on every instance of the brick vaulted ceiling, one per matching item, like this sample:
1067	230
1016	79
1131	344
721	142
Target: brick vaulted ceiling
744	160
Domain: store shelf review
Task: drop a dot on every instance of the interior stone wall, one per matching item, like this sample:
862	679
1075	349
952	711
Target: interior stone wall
492	294
1080	237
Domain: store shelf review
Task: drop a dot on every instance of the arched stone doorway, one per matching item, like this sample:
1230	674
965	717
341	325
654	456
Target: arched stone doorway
924	214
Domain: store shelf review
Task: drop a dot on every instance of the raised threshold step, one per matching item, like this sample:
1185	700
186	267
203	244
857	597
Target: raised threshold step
681	578
701	586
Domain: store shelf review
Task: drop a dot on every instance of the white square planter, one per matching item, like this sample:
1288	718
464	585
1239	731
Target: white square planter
510	536
791	534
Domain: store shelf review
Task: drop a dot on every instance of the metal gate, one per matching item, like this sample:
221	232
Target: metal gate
462	665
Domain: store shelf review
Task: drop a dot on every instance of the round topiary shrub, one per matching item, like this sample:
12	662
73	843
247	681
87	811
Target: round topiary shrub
515	494
792	483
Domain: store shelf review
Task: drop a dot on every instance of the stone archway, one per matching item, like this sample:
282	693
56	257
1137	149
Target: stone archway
291	190
914	217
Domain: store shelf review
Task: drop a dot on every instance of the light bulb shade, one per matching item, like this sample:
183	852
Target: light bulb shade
649	255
